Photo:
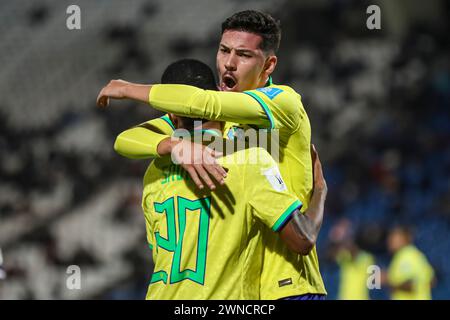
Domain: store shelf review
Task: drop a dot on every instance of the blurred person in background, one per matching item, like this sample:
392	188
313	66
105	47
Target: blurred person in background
410	276
352	260
2	271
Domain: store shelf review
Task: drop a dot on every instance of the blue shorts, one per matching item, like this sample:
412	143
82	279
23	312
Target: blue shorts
308	296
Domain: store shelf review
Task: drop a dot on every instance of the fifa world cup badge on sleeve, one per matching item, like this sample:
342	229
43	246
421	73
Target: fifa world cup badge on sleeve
270	92
273	175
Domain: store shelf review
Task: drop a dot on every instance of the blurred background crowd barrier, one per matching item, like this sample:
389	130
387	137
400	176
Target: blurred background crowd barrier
378	101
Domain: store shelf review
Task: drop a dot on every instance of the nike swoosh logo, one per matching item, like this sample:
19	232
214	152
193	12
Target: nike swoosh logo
280	181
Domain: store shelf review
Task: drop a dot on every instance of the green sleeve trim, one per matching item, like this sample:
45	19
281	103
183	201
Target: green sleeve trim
169	122
150	246
264	106
287	213
208	131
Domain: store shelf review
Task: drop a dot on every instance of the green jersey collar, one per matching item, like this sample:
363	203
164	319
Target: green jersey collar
269	82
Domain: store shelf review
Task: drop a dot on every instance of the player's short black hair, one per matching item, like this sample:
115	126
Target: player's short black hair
257	22
189	72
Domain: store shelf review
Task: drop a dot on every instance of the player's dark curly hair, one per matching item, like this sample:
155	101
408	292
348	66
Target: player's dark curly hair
259	23
193	73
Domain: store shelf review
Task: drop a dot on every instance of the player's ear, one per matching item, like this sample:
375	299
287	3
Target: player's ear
270	65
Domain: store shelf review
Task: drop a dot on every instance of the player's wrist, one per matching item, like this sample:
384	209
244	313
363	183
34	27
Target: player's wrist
321	190
166	146
127	90
135	91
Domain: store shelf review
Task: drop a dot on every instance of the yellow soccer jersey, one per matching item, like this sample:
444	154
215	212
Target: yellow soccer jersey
285	273
353	275
208	245
409	264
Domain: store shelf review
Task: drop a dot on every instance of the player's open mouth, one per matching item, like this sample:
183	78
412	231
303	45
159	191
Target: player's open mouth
228	83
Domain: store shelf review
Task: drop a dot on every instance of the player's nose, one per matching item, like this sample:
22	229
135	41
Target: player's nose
230	62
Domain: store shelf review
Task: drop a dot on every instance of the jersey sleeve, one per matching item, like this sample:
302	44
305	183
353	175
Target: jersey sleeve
269	107
266	191
142	141
281	104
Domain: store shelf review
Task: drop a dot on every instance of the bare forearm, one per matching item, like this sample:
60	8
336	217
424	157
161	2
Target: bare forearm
301	233
314	214
138	92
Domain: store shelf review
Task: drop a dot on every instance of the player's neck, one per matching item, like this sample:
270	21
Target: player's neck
265	82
